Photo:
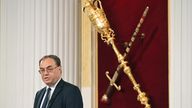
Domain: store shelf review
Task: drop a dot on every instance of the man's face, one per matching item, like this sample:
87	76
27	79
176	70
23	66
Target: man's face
49	71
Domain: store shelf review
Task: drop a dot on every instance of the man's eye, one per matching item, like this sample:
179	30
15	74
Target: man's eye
49	69
42	70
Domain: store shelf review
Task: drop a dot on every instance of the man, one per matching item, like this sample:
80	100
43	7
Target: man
57	93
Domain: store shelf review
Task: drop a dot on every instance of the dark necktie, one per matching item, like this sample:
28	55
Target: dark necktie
46	98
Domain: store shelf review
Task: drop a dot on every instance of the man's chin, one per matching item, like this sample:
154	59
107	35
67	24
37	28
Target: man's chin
48	83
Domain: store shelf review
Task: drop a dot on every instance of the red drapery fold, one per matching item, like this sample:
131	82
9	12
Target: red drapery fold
148	57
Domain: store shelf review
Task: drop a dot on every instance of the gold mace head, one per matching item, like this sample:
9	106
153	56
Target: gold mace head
97	16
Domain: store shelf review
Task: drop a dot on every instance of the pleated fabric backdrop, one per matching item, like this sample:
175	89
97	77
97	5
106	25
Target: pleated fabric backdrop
30	29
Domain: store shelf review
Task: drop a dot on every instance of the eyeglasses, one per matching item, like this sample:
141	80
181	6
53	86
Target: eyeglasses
48	69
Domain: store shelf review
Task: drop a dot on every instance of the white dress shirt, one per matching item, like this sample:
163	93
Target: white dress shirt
51	92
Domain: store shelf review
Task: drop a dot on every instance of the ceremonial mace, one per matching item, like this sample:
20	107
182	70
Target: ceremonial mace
109	92
98	18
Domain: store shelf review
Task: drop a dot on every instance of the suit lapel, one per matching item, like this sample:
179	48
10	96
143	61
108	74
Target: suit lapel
56	92
40	97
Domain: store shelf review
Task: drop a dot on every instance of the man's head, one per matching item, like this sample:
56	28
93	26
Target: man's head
50	69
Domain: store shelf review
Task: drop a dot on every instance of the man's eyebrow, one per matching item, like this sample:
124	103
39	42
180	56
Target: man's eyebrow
46	67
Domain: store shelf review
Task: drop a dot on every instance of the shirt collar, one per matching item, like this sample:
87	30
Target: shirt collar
54	86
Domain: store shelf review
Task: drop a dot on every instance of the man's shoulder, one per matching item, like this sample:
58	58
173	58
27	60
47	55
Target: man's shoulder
67	86
41	90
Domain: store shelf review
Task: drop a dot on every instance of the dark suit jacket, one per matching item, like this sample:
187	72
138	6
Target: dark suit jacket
65	95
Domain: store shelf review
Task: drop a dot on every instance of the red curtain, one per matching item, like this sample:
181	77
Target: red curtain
148	57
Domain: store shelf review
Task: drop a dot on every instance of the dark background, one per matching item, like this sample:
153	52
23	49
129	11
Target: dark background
148	57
